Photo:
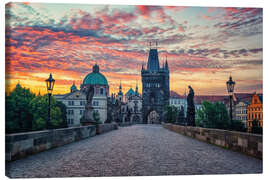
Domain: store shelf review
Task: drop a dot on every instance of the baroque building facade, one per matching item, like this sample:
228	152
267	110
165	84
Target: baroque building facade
75	100
255	111
131	109
155	89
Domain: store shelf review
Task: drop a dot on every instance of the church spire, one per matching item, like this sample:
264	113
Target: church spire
136	87
120	87
120	93
166	64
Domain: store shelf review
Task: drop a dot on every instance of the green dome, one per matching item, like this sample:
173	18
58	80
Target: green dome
73	87
95	78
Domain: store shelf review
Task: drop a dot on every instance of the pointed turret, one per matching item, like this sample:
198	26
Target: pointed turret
166	64
39	93
18	85
120	93
136	91
73	88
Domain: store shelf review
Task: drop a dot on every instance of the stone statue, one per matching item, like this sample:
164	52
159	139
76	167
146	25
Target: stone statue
88	113
190	108
89	94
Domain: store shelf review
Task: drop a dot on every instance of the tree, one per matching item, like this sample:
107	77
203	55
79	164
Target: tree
212	115
63	109
238	126
39	109
18	114
255	127
171	114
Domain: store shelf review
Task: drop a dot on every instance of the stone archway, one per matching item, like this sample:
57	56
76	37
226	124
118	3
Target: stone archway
153	117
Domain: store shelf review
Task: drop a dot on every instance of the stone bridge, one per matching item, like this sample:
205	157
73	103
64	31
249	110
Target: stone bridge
138	150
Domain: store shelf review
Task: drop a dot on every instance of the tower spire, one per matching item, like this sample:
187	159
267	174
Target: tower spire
120	87
166	64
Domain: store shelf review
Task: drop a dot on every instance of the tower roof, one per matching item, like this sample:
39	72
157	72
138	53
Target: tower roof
73	87
153	62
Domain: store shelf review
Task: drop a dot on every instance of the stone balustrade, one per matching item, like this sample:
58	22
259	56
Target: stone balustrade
19	145
102	128
250	144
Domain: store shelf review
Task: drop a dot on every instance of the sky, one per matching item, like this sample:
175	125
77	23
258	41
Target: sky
203	45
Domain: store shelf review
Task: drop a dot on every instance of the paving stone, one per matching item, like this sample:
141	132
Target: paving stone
138	150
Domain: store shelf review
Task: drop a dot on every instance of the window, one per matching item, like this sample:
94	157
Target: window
81	112
101	91
71	121
95	103
70	111
82	103
71	103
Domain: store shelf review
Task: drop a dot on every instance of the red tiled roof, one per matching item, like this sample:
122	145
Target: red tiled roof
246	97
174	94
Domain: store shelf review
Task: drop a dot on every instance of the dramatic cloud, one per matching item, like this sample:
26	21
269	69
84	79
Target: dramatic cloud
200	44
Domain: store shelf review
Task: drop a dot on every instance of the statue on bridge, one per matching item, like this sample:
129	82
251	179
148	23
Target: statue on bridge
88	113
190	108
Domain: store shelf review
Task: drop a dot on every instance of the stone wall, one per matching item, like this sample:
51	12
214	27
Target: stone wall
102	128
250	144
124	124
19	145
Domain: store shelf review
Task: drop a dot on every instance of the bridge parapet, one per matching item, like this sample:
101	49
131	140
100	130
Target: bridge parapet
250	144
19	145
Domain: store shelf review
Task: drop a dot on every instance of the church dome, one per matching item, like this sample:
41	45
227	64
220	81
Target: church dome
73	88
95	77
130	92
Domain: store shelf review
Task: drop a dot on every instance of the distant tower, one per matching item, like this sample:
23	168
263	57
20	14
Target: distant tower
73	88
120	93
136	91
156	87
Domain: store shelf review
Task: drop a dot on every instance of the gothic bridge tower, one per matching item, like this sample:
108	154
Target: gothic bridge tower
155	89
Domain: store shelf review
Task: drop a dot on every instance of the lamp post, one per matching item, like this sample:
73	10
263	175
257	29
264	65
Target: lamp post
230	87
50	84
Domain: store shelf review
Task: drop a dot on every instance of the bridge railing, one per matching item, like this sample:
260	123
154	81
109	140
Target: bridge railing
19	145
250	144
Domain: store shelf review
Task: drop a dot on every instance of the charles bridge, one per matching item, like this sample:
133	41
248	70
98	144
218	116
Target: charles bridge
137	150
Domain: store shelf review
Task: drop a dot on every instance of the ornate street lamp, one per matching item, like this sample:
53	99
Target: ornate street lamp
50	84
230	87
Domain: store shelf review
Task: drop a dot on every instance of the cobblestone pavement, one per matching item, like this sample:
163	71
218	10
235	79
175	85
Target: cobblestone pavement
134	151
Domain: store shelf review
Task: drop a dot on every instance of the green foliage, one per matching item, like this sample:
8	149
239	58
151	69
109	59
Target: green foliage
255	127
18	115
39	109
238	126
27	112
63	110
212	115
171	114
